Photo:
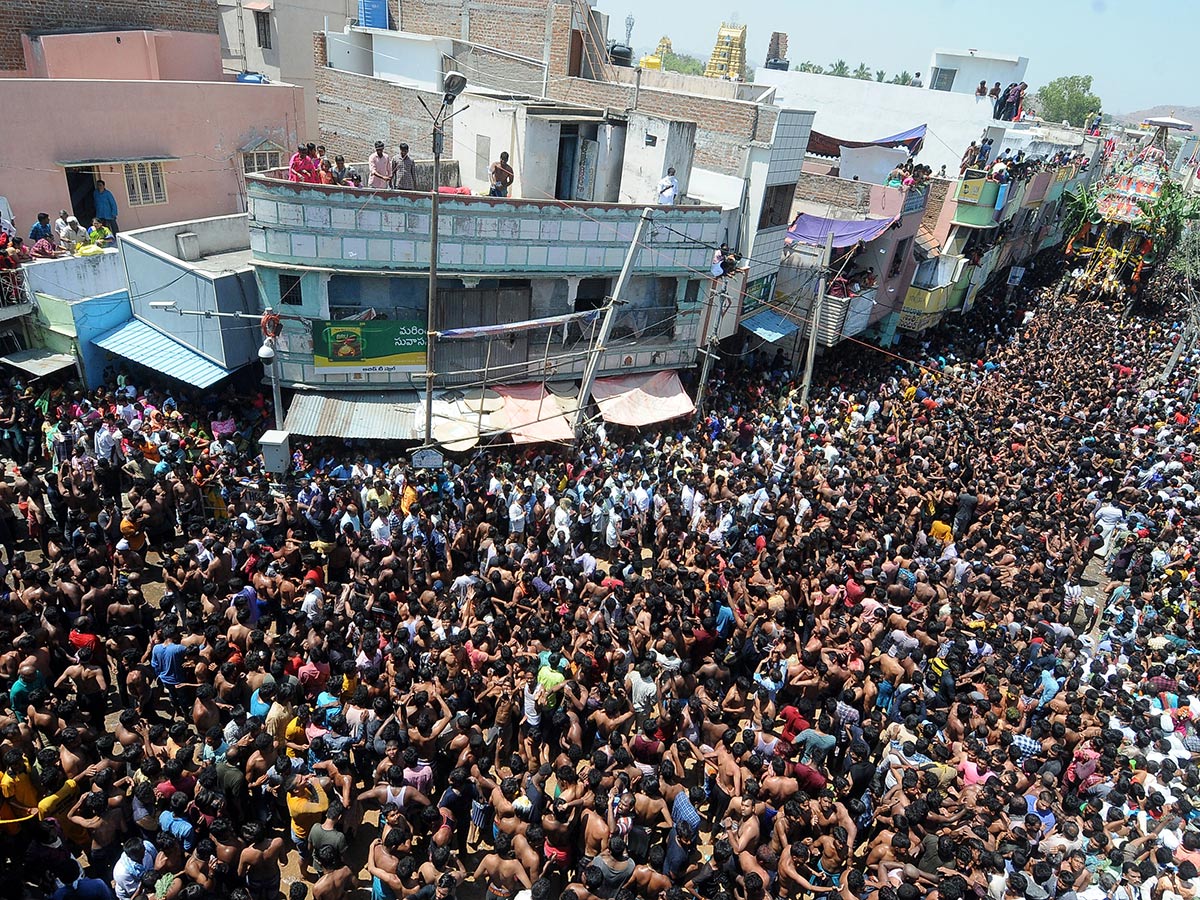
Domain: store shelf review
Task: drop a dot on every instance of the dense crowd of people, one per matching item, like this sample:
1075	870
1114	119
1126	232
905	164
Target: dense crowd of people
858	650
1009	166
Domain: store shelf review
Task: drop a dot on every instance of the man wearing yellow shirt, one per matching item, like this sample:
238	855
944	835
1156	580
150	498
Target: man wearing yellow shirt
18	796
306	802
60	797
296	733
940	531
380	494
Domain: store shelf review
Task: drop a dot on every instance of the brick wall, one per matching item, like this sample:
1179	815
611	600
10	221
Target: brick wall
938	189
837	192
764	125
517	26
560	39
358	110
18	17
720	152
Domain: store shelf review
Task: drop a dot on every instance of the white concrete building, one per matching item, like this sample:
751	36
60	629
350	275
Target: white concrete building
867	110
960	71
274	38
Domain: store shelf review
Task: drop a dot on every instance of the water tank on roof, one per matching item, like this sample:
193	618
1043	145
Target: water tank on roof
621	55
373	13
778	64
253	78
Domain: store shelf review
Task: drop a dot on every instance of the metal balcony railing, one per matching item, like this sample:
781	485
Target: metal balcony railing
14	288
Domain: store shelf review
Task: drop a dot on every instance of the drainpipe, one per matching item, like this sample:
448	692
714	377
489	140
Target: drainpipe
637	85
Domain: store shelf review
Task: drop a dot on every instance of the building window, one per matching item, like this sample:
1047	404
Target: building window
290	293
942	79
262	28
777	206
899	257
144	184
261	161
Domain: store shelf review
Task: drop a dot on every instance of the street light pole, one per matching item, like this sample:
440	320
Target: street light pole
709	341
453	84
431	318
276	391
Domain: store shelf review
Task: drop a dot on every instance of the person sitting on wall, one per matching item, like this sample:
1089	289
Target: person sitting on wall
99	234
724	261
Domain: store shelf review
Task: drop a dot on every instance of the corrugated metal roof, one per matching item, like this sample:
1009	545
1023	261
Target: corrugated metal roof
377	415
139	342
770	326
38	361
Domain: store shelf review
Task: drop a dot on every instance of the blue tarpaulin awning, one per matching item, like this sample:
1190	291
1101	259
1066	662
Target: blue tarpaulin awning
137	341
770	326
813	230
824	145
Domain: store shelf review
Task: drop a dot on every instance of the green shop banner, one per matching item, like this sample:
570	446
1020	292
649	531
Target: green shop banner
378	345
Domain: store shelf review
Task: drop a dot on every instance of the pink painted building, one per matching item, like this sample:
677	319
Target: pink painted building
148	112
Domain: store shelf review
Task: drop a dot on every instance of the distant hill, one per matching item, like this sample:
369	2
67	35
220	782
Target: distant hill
1186	113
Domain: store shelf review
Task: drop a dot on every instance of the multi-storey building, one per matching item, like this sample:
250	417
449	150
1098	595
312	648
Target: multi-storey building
140	103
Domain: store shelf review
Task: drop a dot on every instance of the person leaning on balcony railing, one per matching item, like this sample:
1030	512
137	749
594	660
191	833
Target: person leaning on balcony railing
302	167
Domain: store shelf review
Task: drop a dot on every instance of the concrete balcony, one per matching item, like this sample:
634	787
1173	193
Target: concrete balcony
335	227
923	308
976	197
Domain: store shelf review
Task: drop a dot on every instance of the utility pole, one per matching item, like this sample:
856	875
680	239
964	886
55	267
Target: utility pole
708	348
593	363
814	321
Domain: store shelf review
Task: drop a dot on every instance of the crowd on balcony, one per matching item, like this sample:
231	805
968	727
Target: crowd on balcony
848	649
49	240
311	164
1009	166
909	174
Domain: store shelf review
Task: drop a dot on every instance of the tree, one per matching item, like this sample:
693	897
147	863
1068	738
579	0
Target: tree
1185	258
811	67
862	73
682	63
1081	207
1165	217
880	74
839	69
1069	99
902	78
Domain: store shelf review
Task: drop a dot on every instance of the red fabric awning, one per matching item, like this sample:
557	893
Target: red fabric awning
639	400
533	415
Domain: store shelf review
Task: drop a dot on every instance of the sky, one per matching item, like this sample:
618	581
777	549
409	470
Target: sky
1141	53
